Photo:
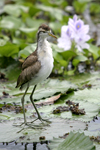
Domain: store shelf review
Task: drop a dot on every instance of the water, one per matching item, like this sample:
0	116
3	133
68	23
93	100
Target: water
23	146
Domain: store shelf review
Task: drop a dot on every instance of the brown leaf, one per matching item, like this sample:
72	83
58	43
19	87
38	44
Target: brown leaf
21	60
50	100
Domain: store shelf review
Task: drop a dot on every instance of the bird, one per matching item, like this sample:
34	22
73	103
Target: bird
36	67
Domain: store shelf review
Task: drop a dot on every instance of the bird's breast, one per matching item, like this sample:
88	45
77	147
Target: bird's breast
46	60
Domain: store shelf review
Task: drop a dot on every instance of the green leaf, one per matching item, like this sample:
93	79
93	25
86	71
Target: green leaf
57	56
11	73
34	23
43	90
56	48
91	110
27	30
94	8
9	50
74	141
10	22
81	80
55	12
56	128
94	50
90	95
55	26
81	58
75	62
33	10
27	50
48	88
79	6
3	40
97	146
67	55
15	10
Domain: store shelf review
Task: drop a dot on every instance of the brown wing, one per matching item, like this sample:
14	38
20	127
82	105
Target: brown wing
31	59
30	67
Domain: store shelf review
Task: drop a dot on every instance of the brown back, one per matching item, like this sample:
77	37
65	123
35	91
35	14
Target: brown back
30	67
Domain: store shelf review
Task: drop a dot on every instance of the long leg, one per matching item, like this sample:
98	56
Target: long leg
22	100
25	122
31	98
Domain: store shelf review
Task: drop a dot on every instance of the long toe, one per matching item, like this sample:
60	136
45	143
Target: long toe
19	125
44	120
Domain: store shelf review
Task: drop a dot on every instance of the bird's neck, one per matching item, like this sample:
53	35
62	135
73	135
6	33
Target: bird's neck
42	44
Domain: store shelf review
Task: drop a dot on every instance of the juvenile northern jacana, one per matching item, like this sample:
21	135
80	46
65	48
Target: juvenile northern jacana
37	66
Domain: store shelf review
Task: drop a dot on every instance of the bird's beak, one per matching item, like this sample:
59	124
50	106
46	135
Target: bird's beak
50	34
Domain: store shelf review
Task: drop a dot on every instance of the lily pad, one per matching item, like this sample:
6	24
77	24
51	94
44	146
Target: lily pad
74	141
90	95
46	89
86	78
91	110
58	127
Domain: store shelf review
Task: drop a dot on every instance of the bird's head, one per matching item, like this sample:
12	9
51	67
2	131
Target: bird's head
44	31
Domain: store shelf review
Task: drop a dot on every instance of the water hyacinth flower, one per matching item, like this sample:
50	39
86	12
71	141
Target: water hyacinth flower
75	32
64	41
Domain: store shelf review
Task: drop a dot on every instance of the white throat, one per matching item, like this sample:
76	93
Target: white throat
42	45
43	48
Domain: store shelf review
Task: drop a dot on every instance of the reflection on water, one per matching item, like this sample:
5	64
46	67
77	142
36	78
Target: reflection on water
24	146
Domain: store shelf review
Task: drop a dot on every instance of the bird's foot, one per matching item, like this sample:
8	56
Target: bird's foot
28	125
25	125
42	120
19	125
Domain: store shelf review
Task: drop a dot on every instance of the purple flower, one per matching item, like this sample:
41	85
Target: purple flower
64	41
75	32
